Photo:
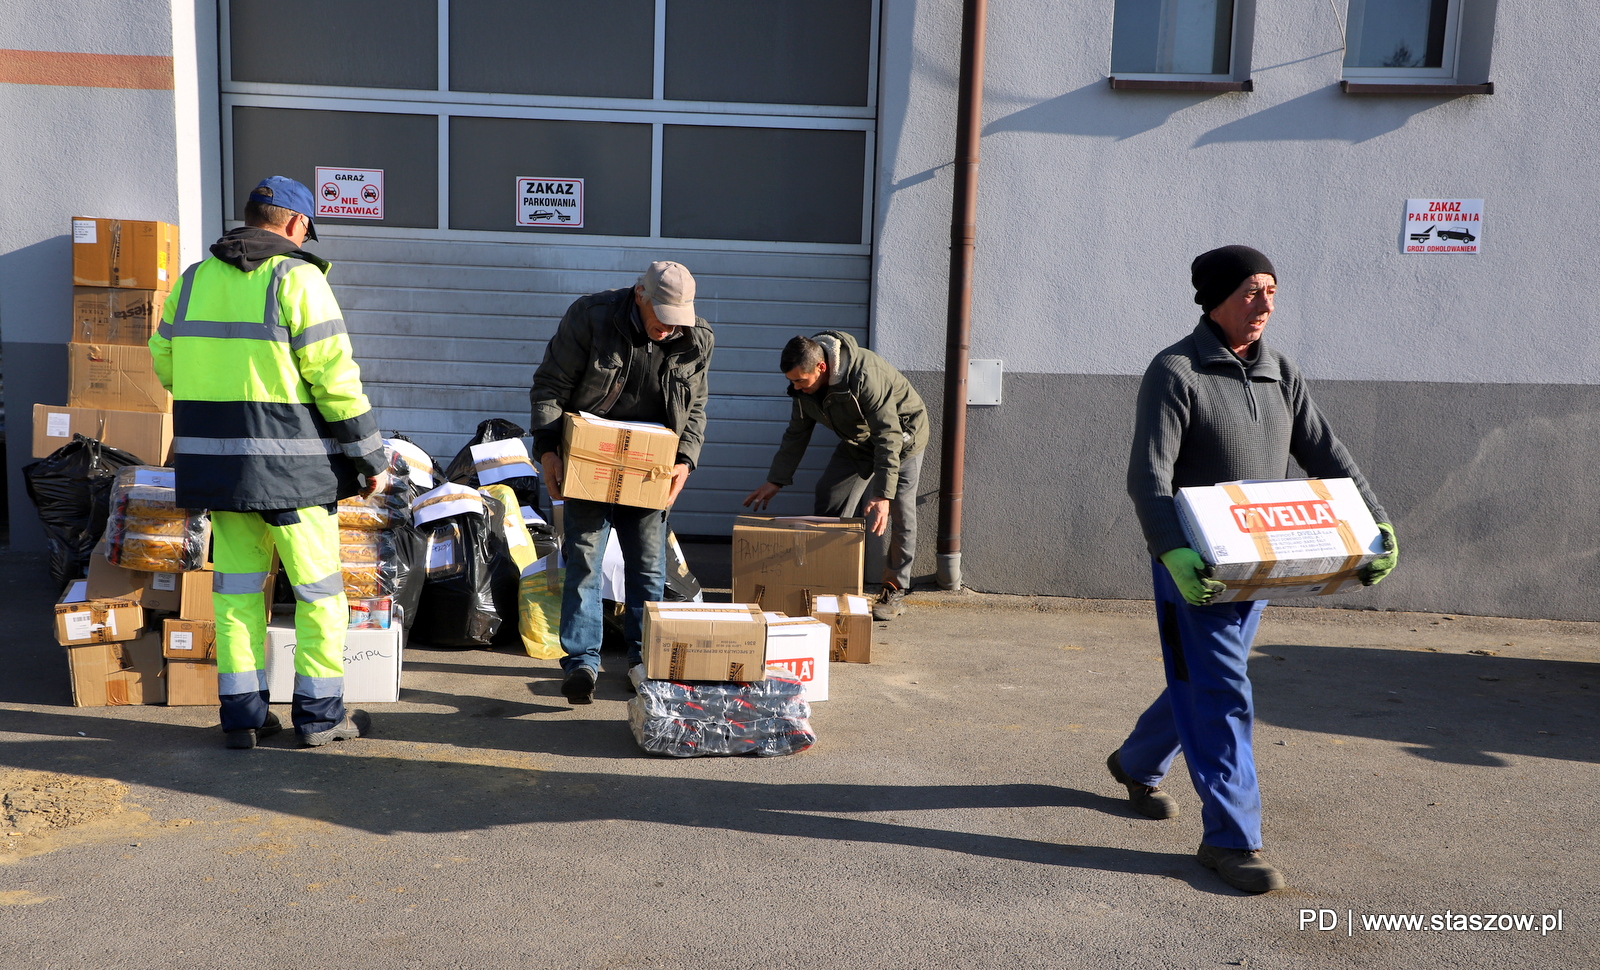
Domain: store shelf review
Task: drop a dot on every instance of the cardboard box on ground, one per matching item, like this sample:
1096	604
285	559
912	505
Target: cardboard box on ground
192	683
124	253
114	377
704	641
111	315
1281	539
799	646
849	620
617	462
146	434
116	674
779	560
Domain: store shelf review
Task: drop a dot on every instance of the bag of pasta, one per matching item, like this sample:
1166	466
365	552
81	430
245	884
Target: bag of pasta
147	531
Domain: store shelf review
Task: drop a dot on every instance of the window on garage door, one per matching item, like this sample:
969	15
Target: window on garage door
684	119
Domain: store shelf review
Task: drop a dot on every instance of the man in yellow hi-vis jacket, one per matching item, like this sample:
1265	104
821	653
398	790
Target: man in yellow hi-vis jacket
271	430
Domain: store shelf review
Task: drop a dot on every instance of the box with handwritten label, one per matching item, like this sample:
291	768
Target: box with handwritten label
372	663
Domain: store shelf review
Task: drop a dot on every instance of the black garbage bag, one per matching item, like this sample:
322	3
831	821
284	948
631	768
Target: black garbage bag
463	469
71	488
470	578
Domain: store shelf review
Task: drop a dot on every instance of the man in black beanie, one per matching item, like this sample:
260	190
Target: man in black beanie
1218	406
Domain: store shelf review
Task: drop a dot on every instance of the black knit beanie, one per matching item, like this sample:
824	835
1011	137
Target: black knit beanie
1217	274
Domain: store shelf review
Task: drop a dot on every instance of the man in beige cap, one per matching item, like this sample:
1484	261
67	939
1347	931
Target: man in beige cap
635	354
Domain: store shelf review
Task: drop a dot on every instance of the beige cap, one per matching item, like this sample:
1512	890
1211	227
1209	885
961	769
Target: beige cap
670	290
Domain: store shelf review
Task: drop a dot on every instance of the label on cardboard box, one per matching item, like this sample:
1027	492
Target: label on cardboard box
164	581
180	641
83	231
79	625
58	424
1278	539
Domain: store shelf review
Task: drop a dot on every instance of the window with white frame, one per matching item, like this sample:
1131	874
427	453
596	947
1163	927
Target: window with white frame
1172	39
1401	39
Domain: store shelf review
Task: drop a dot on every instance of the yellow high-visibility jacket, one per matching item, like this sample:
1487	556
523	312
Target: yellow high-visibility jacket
268	411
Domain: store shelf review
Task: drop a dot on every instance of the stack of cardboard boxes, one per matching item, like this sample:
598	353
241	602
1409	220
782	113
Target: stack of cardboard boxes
122	271
807	565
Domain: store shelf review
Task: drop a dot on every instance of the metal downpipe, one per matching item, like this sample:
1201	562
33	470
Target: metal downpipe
963	235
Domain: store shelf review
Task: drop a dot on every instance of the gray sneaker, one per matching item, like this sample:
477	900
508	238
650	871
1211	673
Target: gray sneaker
356	724
891	603
1243	869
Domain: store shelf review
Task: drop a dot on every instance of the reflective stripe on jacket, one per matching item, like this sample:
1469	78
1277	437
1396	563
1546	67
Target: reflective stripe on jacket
268	411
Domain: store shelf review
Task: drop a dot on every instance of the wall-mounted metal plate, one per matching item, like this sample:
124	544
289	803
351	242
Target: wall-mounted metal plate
983	381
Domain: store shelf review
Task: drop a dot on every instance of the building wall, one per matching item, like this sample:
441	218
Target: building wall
1468	387
105	144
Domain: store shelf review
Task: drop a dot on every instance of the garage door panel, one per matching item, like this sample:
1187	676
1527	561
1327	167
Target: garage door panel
449	333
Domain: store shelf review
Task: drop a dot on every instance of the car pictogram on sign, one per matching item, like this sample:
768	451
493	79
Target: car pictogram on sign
369	193
330	191
1460	234
1423	235
542	216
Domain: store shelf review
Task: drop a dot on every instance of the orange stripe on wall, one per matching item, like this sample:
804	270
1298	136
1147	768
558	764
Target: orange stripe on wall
86	70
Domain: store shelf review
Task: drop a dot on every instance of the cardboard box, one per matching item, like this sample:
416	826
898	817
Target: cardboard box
186	594
80	620
779	560
145	434
124	253
798	646
192	683
108	315
189	639
617	462
704	641
1278	539
114	377
372	663
849	617
118	674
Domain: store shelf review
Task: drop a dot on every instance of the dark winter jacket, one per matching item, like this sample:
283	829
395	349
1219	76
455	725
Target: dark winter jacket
586	367
1205	416
877	414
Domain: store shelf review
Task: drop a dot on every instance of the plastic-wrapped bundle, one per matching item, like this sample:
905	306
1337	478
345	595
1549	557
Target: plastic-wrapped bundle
72	491
686	720
380	551
147	531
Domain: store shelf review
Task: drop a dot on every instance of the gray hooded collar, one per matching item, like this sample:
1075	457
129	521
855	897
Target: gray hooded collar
837	356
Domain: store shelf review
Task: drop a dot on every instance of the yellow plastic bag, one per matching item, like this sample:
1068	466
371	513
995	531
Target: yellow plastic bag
518	541
539	608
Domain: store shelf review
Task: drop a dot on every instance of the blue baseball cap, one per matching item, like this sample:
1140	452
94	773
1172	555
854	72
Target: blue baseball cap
280	190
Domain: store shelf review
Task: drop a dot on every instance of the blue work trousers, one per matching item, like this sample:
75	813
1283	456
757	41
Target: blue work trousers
1206	711
643	536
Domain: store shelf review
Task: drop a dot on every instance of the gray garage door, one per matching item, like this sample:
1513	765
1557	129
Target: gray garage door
450	335
734	137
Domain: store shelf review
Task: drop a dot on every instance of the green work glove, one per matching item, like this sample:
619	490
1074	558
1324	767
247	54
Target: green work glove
1192	575
1373	572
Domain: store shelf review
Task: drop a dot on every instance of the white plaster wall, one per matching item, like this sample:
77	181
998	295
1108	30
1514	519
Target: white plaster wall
1093	202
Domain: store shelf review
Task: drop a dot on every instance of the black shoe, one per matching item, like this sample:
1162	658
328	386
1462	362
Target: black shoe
1147	800
246	738
891	603
1243	869
356	724
579	686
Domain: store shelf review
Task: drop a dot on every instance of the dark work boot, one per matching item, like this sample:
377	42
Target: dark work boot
246	738
1149	801
356	724
579	686
1243	869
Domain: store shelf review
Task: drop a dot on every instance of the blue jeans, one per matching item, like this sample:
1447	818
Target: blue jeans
1207	710
643	536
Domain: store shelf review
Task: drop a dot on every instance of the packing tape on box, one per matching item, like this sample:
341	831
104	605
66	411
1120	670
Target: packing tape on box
1259	580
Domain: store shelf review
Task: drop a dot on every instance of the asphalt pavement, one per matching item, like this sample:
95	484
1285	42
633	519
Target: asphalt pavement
955	813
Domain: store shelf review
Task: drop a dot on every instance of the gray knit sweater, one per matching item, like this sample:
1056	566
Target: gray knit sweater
1204	416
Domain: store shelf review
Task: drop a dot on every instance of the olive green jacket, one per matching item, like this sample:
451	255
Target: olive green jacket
874	410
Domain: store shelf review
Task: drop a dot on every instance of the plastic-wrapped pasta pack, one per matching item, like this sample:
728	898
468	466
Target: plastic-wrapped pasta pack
147	531
687	720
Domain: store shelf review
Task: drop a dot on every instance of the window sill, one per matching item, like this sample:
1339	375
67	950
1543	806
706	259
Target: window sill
1448	90
1147	84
